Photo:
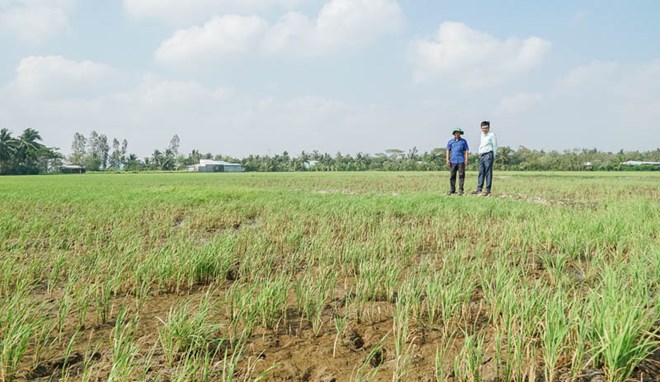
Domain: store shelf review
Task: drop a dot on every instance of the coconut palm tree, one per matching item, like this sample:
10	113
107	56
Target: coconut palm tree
7	148
28	149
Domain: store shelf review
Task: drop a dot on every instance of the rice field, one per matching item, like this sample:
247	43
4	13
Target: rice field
329	277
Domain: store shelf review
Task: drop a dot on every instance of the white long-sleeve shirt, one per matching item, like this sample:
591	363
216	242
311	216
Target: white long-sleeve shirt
488	143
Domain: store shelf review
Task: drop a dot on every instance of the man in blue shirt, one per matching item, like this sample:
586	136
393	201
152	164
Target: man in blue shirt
457	158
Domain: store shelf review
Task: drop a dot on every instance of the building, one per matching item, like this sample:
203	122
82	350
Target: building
639	163
207	165
72	169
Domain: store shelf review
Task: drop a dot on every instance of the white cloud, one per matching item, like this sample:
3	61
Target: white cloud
578	17
39	76
219	39
355	22
340	23
519	103
607	105
179	12
472	58
35	21
585	77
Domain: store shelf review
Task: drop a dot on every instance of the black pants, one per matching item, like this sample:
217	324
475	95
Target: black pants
453	169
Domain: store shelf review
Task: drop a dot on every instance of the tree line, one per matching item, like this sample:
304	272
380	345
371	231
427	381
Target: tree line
25	154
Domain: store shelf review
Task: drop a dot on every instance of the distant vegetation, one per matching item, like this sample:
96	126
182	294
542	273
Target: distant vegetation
25	154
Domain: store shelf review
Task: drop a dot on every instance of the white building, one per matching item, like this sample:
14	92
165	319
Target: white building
207	165
639	163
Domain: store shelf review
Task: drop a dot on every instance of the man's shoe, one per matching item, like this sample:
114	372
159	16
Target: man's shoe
477	192
487	193
460	193
450	193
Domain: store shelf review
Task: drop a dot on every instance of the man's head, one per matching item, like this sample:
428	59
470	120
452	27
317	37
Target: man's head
485	126
457	132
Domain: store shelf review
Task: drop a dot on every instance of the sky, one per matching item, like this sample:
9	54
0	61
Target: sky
240	77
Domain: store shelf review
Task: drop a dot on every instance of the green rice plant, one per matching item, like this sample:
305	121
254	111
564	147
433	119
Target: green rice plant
373	362
210	263
515	356
142	291
555	264
189	330
401	333
499	337
8	275
622	332
82	296
87	364
103	299
555	328
57	268
356	307
442	352
231	359
195	366
124	348
67	353
579	342
411	294
64	306
312	294
20	322
340	329
467	365
269	305
377	280
497	287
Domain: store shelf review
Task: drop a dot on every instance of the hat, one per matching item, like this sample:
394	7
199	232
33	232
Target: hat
457	130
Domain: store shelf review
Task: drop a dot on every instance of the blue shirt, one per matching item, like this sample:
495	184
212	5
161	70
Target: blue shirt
457	148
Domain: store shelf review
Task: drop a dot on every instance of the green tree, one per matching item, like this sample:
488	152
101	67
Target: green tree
78	150
7	149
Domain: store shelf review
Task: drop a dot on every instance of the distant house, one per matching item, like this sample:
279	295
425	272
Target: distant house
72	169
639	163
310	164
207	165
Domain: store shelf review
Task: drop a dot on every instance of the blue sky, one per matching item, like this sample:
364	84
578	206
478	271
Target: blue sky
242	77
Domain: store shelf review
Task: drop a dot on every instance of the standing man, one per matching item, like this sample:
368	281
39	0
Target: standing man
457	158
487	153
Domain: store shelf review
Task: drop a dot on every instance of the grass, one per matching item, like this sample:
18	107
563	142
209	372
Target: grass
235	276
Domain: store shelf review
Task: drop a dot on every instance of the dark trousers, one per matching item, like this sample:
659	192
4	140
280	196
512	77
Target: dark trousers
485	171
453	169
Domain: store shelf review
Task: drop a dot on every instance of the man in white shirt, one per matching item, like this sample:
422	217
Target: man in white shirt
487	153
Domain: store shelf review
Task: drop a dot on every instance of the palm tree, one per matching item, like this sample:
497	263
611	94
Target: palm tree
28	145
7	148
7	145
28	149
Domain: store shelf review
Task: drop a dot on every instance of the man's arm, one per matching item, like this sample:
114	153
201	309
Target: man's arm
447	156
466	156
494	139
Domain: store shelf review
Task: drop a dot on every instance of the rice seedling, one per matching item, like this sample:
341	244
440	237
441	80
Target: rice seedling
20	322
124	349
189	330
622	332
467	365
555	327
403	343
